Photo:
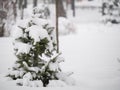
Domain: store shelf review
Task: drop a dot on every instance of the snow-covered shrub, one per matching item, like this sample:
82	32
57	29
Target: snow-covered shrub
111	11
66	26
35	49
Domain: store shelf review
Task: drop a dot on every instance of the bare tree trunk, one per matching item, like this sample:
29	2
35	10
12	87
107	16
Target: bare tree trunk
1	19
3	15
15	9
73	6
34	3
20	2
8	15
22	11
25	3
61	11
2	30
57	35
52	1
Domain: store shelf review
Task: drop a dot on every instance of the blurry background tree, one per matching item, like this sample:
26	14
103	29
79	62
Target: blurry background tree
61	10
111	11
22	4
3	15
73	6
34	3
8	13
12	10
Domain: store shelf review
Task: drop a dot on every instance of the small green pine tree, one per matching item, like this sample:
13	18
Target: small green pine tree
35	50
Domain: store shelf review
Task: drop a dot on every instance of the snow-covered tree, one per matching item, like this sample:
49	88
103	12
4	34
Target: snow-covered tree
111	11
35	49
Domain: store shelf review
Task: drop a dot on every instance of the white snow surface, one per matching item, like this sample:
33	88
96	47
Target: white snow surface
57	83
92	3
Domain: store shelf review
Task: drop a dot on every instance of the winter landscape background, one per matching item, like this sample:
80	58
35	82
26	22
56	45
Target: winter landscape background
91	51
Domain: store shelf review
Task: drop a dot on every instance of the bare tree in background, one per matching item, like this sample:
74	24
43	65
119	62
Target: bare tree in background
61	10
52	1
3	15
25	3
8	15
34	3
14	9
22	4
73	6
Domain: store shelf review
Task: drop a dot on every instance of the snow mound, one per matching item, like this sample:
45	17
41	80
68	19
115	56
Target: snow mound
25	82
65	77
37	33
23	23
22	48
66	26
56	83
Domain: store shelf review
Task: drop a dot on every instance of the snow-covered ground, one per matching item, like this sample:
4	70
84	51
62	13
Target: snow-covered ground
91	53
94	54
90	4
